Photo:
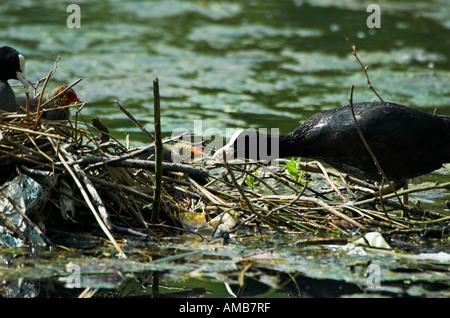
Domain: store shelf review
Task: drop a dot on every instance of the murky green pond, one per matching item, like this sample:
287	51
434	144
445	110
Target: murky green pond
232	64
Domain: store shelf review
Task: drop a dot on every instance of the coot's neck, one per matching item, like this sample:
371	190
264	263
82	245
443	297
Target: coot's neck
278	146
287	147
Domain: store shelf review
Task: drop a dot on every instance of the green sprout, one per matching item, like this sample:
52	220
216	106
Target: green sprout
250	180
293	170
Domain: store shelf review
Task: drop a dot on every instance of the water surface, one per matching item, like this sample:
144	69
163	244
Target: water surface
234	63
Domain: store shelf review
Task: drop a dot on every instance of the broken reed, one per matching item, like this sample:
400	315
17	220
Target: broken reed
158	154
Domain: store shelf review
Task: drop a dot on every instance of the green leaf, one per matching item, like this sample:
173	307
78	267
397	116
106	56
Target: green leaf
292	169
249	180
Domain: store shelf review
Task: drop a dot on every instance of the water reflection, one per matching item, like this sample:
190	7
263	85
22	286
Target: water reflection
266	266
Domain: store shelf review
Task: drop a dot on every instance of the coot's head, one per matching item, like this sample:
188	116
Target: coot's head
250	144
12	66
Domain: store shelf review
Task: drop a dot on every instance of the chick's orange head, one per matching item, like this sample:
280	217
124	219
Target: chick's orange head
70	95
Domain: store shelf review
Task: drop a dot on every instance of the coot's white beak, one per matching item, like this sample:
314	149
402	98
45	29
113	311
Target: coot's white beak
227	150
21	75
25	82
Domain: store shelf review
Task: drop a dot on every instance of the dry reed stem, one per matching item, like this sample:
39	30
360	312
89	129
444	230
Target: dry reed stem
248	203
365	68
134	120
86	197
158	154
331	182
361	135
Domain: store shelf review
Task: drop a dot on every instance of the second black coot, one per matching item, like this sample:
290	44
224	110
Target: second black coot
406	142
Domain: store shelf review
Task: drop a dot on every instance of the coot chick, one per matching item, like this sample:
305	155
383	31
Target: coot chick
56	109
406	142
12	66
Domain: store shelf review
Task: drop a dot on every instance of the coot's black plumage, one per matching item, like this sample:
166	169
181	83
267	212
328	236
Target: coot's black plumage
406	142
12	66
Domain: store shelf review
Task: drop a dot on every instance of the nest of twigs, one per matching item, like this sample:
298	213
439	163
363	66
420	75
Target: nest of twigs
92	183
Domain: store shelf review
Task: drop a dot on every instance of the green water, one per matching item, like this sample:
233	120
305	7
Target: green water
230	64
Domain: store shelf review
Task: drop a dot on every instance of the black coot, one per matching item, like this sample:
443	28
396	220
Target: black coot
12	66
406	142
